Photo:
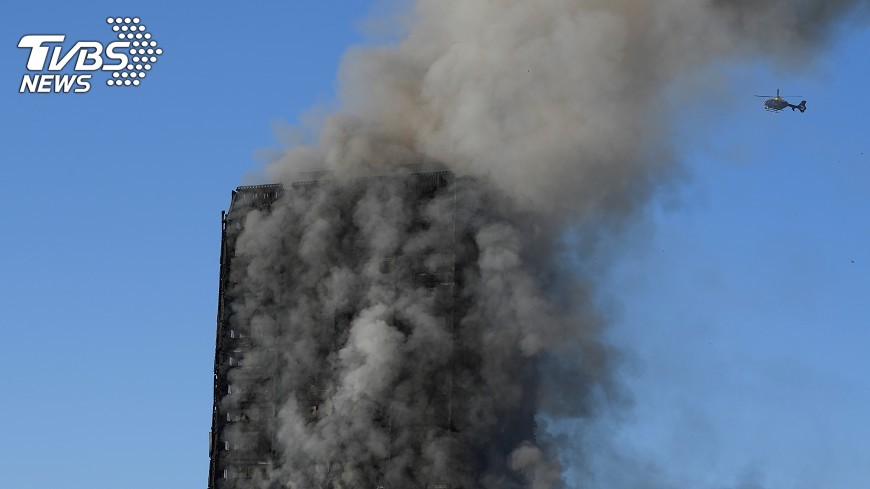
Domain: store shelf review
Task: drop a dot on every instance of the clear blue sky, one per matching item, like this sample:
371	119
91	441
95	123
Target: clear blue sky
744	309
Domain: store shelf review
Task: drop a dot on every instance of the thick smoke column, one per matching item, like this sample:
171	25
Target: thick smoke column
560	102
554	110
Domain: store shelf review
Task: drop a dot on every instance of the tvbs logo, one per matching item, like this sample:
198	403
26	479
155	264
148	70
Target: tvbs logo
53	68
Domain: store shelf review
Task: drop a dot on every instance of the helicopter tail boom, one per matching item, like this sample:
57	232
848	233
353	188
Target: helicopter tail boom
801	106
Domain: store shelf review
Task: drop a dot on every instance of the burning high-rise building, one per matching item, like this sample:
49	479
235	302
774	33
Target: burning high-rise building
359	362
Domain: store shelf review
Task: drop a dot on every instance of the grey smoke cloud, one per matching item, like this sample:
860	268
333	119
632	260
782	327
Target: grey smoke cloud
557	101
554	108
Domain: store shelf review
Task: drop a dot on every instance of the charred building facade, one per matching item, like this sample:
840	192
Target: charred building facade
349	350
251	415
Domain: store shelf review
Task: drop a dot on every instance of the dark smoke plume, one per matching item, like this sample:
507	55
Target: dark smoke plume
552	114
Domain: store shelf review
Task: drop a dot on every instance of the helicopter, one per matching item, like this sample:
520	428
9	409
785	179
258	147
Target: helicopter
778	103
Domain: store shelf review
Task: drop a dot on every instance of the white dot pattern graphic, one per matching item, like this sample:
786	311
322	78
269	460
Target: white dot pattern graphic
144	51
